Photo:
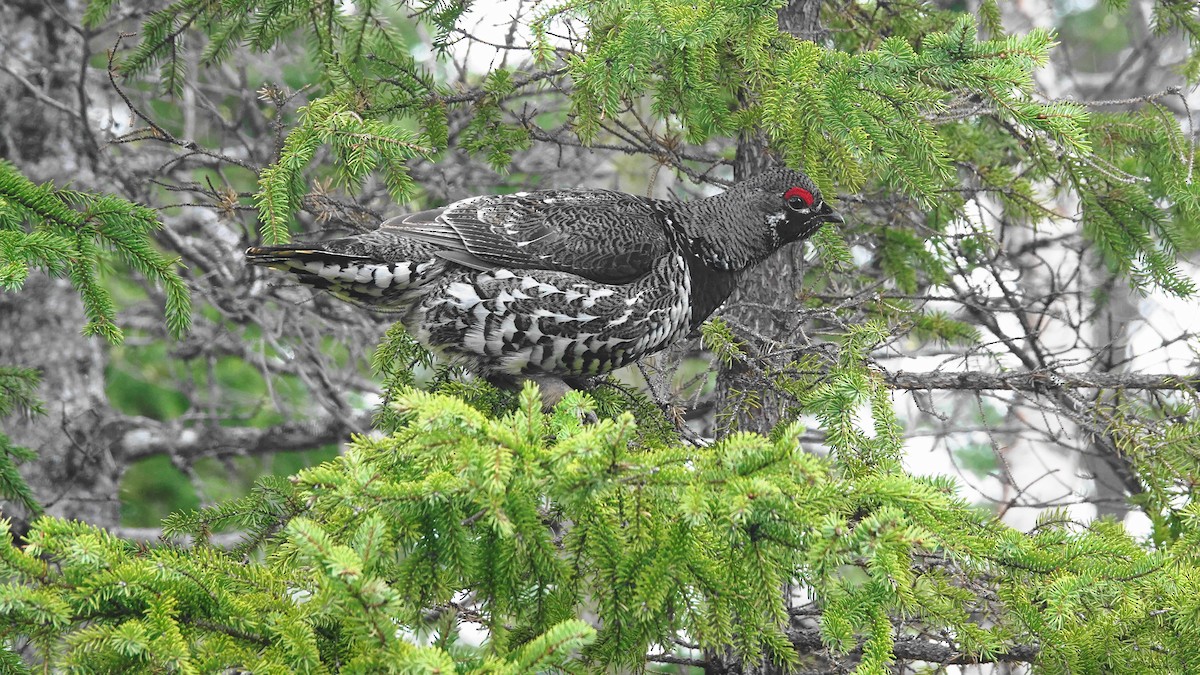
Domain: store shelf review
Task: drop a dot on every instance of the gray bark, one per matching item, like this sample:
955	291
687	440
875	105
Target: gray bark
773	283
75	475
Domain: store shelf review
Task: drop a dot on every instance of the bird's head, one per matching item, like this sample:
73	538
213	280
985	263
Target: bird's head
788	202
752	219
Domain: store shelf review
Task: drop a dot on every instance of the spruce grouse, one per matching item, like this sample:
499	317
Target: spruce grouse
566	283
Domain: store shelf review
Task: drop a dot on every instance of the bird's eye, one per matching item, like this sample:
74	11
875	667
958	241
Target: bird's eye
798	198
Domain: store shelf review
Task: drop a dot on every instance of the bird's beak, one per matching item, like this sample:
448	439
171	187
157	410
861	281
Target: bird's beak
830	216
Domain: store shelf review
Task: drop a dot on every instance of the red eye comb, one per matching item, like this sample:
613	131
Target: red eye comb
801	193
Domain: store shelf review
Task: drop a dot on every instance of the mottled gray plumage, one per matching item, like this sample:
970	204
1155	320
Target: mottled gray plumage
560	282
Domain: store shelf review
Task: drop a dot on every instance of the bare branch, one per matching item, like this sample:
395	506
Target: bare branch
1039	380
137	437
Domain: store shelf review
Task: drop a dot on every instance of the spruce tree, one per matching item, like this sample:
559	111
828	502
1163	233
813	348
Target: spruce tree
468	529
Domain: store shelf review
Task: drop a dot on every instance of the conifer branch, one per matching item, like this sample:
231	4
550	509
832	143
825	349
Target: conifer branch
542	517
155	131
65	233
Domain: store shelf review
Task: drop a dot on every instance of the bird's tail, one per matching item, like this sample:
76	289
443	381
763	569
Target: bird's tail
273	255
361	279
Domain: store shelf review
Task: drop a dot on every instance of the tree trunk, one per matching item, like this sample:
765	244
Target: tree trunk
1113	479
74	475
743	403
771	284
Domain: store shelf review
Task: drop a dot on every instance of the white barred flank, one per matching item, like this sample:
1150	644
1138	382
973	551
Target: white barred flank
527	321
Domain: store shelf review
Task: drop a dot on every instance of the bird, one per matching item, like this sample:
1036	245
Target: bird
560	284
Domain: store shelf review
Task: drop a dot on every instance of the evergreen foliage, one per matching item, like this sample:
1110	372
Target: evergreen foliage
66	233
359	146
17	387
374	94
515	523
472	506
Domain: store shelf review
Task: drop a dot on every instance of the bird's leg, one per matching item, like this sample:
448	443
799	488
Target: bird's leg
503	381
553	388
581	382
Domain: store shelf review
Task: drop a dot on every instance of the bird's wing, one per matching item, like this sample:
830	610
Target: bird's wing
598	234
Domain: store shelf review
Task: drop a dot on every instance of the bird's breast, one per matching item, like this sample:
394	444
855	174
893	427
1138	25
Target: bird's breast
710	288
